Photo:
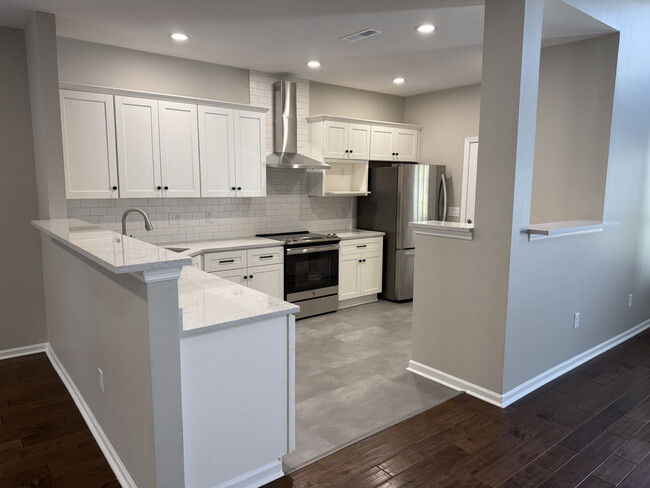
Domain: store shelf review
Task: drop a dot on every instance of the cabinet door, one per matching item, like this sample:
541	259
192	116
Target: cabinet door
249	154
405	144
370	273
349	276
359	142
234	275
217	152
267	279
138	147
381	144
336	140
88	127
179	149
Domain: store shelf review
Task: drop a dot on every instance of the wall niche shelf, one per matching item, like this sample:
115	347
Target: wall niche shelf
341	179
564	228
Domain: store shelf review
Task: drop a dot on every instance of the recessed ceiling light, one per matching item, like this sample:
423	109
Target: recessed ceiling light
313	63
399	80
426	28
179	36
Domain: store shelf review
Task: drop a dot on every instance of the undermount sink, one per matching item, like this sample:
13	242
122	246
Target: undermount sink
177	249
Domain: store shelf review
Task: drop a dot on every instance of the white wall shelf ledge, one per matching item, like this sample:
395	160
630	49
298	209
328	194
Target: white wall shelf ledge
437	228
565	228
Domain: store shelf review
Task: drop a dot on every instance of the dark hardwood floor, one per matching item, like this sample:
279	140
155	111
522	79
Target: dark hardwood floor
588	428
44	441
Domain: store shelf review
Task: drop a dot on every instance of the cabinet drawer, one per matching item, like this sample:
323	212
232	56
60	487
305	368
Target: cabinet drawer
221	261
264	256
354	246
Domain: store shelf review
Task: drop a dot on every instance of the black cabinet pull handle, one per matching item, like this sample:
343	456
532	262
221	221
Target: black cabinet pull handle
347	151
250	276
239	187
245	277
350	151
233	188
159	188
266	257
396	154
364	260
166	188
226	261
362	245
360	261
114	188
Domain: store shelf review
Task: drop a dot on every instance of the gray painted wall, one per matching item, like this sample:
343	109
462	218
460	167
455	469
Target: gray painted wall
350	102
99	64
447	117
21	286
591	274
574	115
500	310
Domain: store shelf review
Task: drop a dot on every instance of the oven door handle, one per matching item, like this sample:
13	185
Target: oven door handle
307	250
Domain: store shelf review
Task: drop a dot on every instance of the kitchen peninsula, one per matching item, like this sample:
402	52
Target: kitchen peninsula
168	363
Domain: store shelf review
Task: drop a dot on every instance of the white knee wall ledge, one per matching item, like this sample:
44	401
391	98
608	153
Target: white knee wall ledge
504	399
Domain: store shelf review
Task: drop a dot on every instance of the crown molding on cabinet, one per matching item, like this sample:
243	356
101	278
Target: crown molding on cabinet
159	96
323	117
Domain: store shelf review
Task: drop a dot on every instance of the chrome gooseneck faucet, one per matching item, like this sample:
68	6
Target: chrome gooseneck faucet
147	222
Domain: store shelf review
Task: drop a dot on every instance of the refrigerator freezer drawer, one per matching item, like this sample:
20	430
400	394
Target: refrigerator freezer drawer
404	267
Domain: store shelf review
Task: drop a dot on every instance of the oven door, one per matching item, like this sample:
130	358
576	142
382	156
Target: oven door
311	272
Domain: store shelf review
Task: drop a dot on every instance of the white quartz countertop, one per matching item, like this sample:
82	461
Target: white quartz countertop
456	230
113	251
196	248
357	234
209	303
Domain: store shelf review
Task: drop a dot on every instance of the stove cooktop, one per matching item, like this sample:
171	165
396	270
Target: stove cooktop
301	237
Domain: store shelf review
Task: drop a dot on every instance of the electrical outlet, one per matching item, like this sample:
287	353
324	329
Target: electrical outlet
175	220
101	380
454	211
209	218
629	301
576	320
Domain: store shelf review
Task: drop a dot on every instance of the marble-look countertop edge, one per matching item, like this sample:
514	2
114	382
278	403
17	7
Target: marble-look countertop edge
116	269
238	322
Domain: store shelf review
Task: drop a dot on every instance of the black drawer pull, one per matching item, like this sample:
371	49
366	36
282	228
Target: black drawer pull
225	261
266	257
362	245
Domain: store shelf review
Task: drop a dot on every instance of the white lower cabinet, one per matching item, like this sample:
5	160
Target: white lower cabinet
259	269
360	268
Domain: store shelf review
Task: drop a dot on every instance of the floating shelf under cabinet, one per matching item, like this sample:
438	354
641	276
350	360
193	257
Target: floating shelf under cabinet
341	179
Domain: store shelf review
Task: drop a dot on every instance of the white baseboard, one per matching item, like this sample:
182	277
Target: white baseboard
549	375
111	456
511	396
455	383
23	351
257	477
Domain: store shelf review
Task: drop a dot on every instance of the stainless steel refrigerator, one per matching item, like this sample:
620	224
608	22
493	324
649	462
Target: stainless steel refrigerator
400	194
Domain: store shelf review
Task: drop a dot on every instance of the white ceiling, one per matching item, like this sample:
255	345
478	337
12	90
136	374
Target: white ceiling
279	36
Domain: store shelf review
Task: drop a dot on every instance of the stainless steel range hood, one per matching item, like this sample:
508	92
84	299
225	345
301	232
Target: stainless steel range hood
285	131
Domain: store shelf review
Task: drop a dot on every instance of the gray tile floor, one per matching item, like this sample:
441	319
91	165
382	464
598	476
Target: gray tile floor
351	378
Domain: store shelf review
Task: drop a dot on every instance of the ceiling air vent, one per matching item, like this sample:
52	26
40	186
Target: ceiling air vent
364	34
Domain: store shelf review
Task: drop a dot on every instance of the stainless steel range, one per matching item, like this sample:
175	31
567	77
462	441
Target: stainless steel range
311	271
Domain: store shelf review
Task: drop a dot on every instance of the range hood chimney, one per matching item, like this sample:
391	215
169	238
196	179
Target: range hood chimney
285	131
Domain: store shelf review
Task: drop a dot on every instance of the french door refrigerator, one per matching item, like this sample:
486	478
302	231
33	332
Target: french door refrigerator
400	194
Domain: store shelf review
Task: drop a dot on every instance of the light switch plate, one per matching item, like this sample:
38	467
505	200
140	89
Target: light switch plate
175	220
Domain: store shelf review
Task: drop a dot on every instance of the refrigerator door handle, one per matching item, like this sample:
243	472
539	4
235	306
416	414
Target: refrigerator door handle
442	192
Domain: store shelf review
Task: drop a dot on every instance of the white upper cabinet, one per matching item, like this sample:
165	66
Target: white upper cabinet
333	139
250	162
217	150
179	149
138	147
394	144
232	153
88	128
381	144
